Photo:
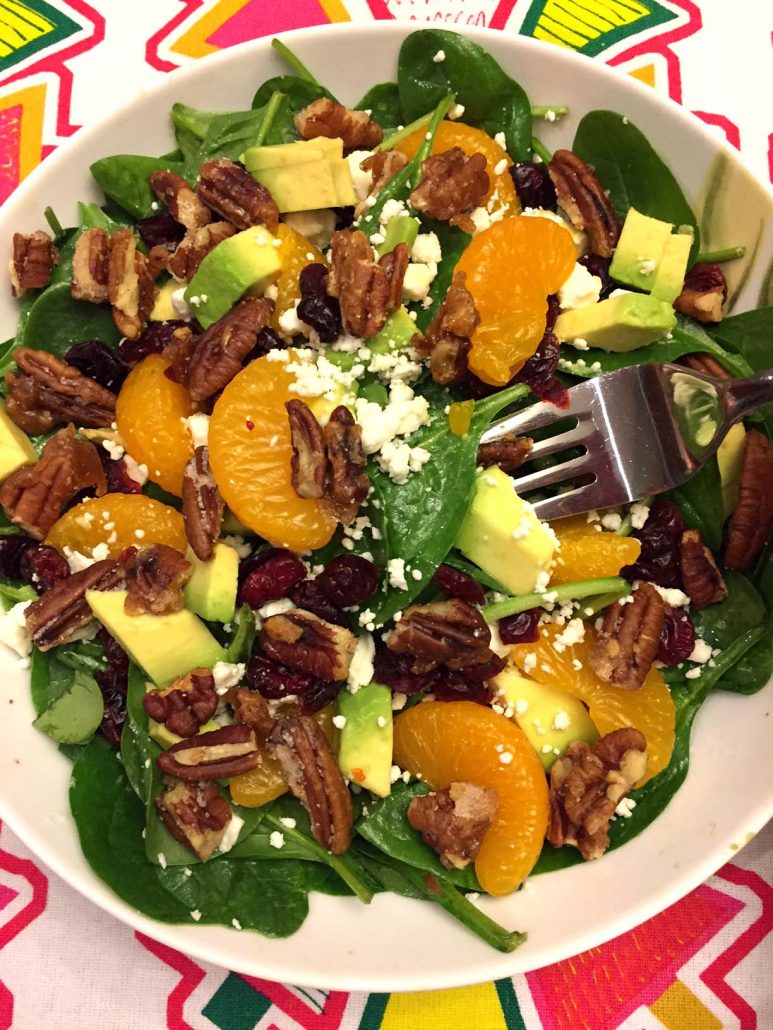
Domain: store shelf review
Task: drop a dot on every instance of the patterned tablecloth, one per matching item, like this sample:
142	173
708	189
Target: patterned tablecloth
704	964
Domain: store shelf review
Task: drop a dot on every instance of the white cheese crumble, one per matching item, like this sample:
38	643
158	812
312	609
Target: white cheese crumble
647	266
13	629
403	415
361	668
238	543
611	521
580	290
701	652
561	720
195	915
317	226
693	674
180	305
396	573
499	138
426	248
676	598
625	808
573	634
161	859
439	57
284	604
276	839
288	821
198	426
639	515
339	721
139	473
231	834
418	279
521	706
115	449
455	112
398	460
227	675
506	757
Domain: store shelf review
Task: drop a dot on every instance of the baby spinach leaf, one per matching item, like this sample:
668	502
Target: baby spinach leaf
298	93
743	608
749	334
240	648
138	755
762	577
82	655
754	670
700	501
50	679
191	121
383	102
14	594
75	716
56	321
124	178
456	561
324	880
453	243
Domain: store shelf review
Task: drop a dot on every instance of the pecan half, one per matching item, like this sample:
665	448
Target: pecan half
451	186
33	497
454	821
202	505
90	262
309	461
222	348
158	259
367	290
312	774
383	166
130	286
186	704
705	363
585	201
229	751
178	352
751	521
628	639
348	483
251	710
194	247
450	633
703	294
304	641
155	580
702	579
196	815
509	453
586	786
46	390
230	190
184	206
34	257
326	118
448	336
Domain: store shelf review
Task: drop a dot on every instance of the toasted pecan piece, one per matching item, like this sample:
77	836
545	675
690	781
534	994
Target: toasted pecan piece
347	482
703	294
184	263
46	390
184	206
309	464
90	266
304	641
202	505
451	633
155	580
451	186
702	580
454	821
130	286
629	638
252	710
366	289
222	348
231	191
509	452
751	521
585	201
186	704
229	751
448	336
384	166
34	257
195	814
705	363
326	118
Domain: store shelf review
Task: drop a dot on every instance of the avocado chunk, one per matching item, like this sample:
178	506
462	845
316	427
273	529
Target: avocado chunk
550	718
16	448
303	176
165	646
163	309
669	275
639	249
211	589
297	153
365	750
619	324
502	535
399	329
730	460
247	261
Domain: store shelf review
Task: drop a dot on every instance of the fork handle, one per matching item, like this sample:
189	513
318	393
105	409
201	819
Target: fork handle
746	395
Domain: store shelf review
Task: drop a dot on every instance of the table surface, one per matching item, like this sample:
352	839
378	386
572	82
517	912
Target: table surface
703	964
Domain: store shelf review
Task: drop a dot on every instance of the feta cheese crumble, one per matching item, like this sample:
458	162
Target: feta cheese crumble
227	675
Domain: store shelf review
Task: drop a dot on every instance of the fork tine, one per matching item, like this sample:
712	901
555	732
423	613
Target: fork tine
523	422
573	502
555	474
575	437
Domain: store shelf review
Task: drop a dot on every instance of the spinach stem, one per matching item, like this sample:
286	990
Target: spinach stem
598	604
725	254
342	865
400	134
401	229
549	113
294	61
564	592
268	117
541	151
627	525
53	221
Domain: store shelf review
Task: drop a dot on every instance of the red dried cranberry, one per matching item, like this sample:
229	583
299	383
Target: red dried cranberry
533	185
313	280
12	549
273	680
484	670
319	695
97	361
272	579
267	340
349	579
459	584
152	341
117	475
538	371
323	316
394	670
554	310
113	682
310	596
160	230
677	639
42	566
457	686
520	628
659	536
599	266
344	217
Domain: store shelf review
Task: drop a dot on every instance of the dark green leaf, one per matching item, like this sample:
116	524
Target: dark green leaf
124	178
742	609
49	679
75	716
383	102
456	561
762	577
754	670
298	93
57	321
453	242
700	501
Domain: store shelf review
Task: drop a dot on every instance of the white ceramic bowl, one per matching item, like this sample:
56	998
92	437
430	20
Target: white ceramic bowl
396	944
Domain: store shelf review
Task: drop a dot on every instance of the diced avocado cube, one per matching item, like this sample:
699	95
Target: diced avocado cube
400	229
163	309
669	275
320	149
165	646
211	589
399	329
303	176
502	535
16	448
365	749
342	183
730	461
248	260
619	324
639	249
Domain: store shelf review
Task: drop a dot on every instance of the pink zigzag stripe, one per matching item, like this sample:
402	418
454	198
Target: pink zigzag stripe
151	47
715	975
328	1019
730	129
191	976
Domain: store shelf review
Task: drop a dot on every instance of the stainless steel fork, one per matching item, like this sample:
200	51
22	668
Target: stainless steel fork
644	429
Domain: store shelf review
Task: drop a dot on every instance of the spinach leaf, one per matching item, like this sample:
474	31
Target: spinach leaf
700	501
14	594
456	561
298	93
629	167
749	334
720	624
56	321
383	102
82	656
754	670
240	648
50	679
453	243
324	880
75	716
492	100
124	178
762	576
420	518
226	135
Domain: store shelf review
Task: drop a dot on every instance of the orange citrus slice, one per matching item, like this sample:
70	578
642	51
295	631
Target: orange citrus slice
586	553
118	521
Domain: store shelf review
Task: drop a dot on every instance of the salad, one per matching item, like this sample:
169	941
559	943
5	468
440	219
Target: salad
287	617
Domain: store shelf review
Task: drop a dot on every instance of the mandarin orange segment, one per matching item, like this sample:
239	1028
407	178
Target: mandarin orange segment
149	413
511	268
586	553
295	253
118	521
461	740
250	453
649	709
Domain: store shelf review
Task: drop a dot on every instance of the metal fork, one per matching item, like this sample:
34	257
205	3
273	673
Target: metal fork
644	429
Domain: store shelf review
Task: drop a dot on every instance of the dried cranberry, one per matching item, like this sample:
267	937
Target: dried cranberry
677	639
316	308
160	230
538	371
457	686
394	670
660	537
313	280
97	361
42	566
599	266
520	628
310	596
267	340
117	475
533	185
484	670
12	549
344	217
152	341
320	694
554	310
459	584
272	579
348	580
273	680
113	682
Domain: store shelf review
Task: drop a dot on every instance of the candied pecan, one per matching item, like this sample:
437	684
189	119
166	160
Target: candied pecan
304	641
451	185
194	247
90	262
384	166
184	206
586	786
222	348
702	579
34	257
33	497
628	639
367	290
186	704
231	191
326	118
585	201
348	484
703	294
158	260
51	391
202	505
130	287
250	708
309	461
228	751
178	352
450	633
705	363
155	580
196	815
751	521
447	339
509	452
395	264
454	821
312	774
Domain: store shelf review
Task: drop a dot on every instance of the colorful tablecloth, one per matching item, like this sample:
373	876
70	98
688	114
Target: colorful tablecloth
704	964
